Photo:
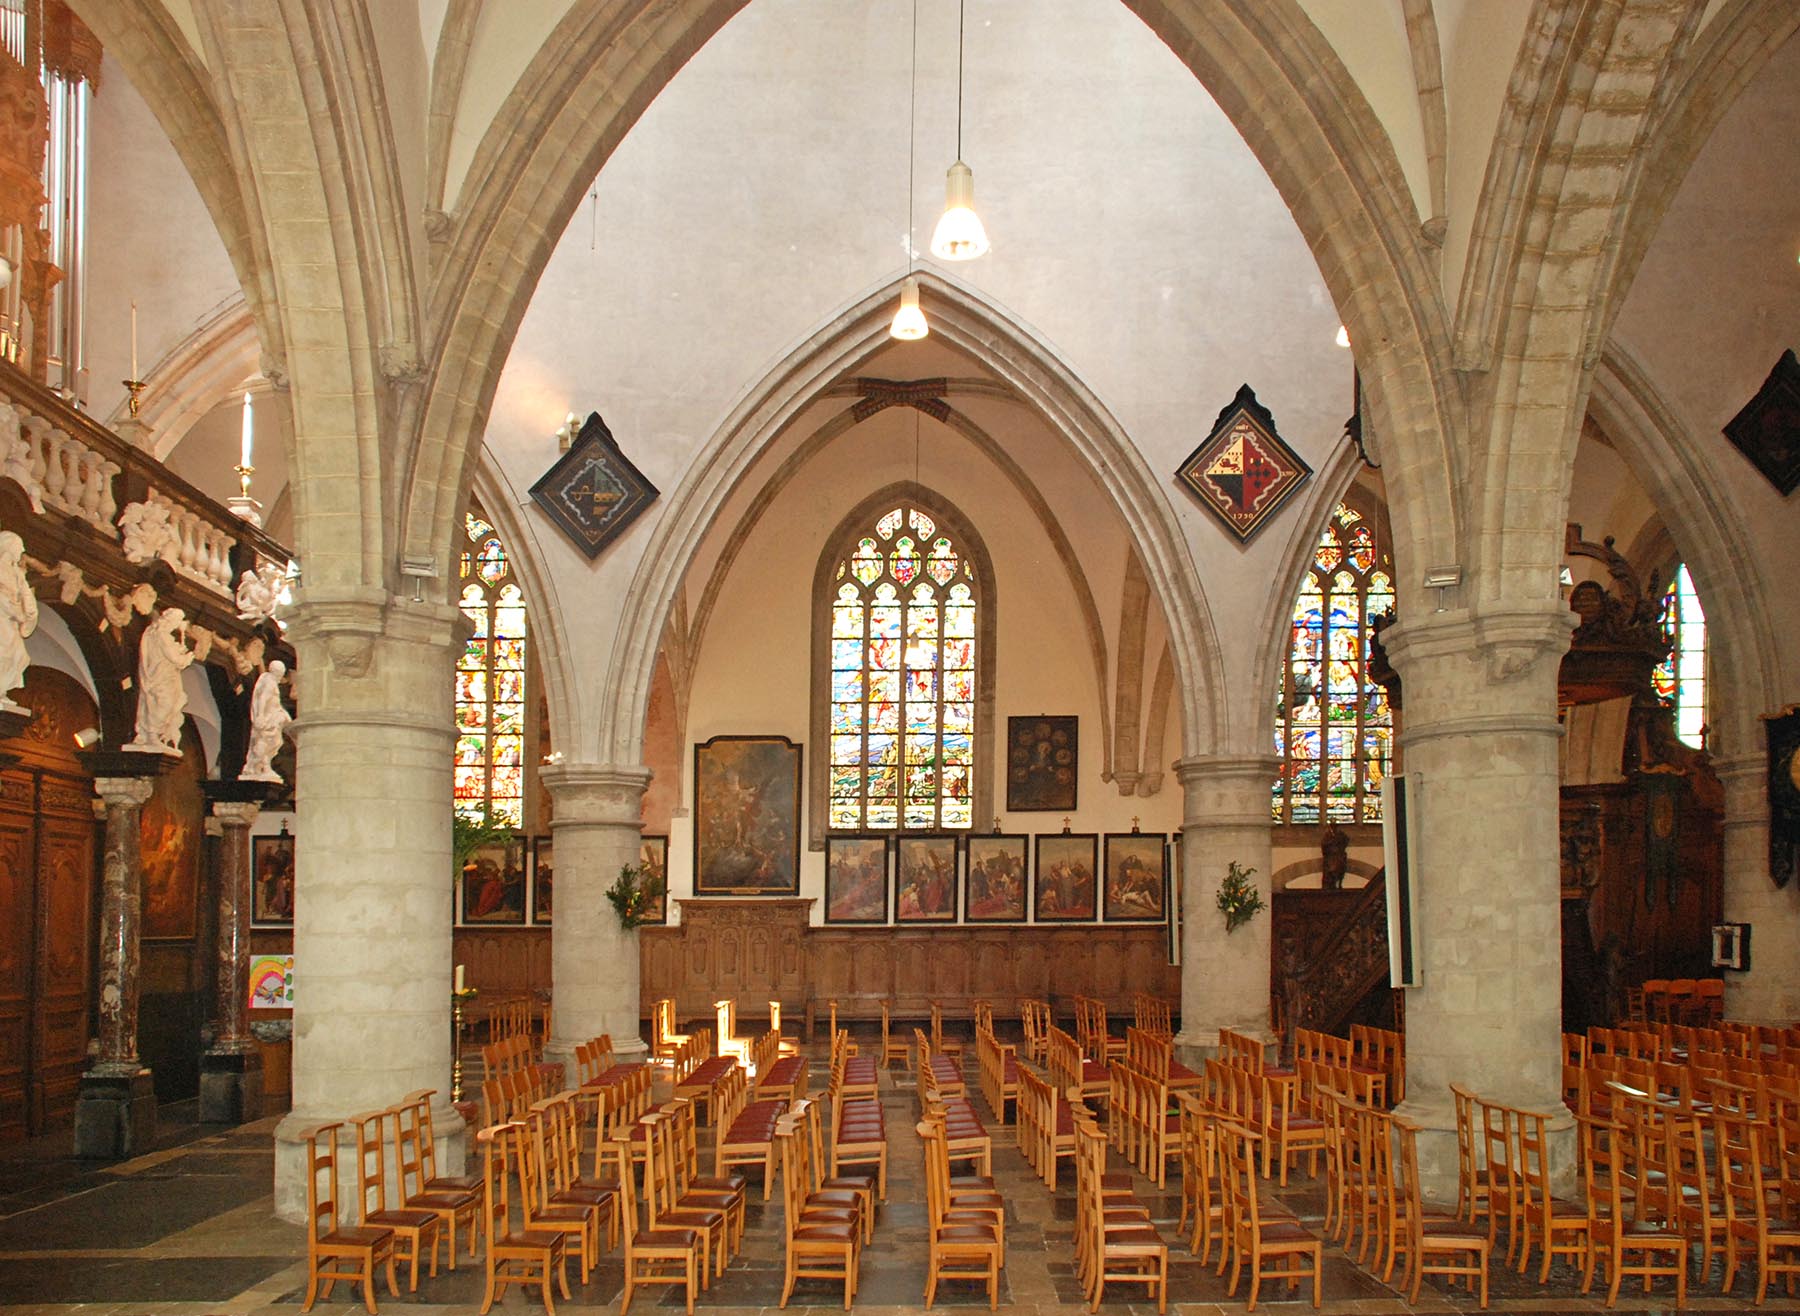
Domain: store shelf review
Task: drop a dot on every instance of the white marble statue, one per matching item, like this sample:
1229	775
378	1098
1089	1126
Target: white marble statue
163	655
259	593
269	719
149	533
18	618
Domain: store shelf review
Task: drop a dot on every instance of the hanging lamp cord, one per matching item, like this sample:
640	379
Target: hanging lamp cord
961	13
912	136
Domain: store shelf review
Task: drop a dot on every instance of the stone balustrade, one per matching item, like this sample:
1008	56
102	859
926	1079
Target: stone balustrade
65	474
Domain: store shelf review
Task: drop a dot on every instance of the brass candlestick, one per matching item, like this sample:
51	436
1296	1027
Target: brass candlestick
456	1033
134	389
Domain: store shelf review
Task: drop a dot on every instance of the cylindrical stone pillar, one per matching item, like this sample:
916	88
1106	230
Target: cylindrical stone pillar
1225	818
374	879
121	907
231	1029
1770	991
597	829
1481	748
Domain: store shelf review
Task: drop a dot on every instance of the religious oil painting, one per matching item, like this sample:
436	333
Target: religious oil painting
1042	754
1066	889
747	816
543	880
1135	889
493	885
169	836
653	858
925	880
856	879
994	883
272	881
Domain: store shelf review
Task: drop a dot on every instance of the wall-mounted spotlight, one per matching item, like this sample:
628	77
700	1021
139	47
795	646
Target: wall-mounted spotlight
1441	579
87	739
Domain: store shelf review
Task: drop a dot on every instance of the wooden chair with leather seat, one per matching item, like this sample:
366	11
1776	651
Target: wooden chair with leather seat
820	1244
416	1230
1613	1233
1743	1151
453	1206
1500	1179
1258	1239
964	1243
523	1258
951	1048
892	1050
1463	1248
1118	1241
653	1256
667	1206
339	1252
578	1220
1558	1225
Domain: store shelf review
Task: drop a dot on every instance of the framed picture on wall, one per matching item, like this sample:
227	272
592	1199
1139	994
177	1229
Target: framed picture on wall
653	858
747	816
543	880
1136	890
995	879
1042	755
856	879
492	890
272	881
1064	888
925	879
1177	910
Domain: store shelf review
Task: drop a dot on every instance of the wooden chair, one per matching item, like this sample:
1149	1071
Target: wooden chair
819	1245
335	1252
1256	1240
890	1049
733	1188
744	1131
1500	1178
950	1048
579	1220
858	1136
1289	1131
964	1243
555	1128
653	1256
857	1189
452	1205
526	1258
1697	1209
1202	1192
415	1230
1613	1234
1034	1024
1123	1249
1742	1150
1464	1249
1561	1226
667	1206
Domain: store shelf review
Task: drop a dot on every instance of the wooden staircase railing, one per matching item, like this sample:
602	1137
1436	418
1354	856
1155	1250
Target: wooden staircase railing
1323	977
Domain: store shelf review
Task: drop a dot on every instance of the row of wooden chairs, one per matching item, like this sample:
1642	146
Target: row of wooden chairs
966	1135
1115	1238
1097	1043
1152	1014
1154	1054
506	1053
1374	1064
1034	1024
998	1065
1140	1123
509	1094
1680	1000
665	1034
966	1218
1045	1127
1243	1050
512	1017
1071	1070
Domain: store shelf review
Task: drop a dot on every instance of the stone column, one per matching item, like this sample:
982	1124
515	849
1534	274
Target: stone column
1481	747
1770	991
115	1112
596	823
1224	975
373	887
231	1086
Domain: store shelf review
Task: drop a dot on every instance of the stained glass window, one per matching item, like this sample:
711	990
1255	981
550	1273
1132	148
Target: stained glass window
1680	679
902	697
490	681
1333	727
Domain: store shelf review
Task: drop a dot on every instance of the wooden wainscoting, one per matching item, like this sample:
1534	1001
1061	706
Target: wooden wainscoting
757	950
503	962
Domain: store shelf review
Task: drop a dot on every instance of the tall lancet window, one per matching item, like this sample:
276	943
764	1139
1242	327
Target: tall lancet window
490	681
904	600
1680	679
1333	727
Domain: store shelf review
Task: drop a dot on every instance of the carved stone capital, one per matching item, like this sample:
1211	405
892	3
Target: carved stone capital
596	794
1226	790
124	792
236	813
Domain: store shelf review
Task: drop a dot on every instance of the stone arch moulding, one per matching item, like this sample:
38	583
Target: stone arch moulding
1724	564
966	321
206	368
838	545
1264	63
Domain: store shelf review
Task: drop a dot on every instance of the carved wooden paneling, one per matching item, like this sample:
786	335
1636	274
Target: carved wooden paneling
503	961
67	899
17	922
860	968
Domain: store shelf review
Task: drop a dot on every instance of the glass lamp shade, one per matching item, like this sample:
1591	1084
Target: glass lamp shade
959	234
909	321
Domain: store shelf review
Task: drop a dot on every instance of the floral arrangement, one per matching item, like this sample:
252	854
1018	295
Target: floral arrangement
1239	900
631	895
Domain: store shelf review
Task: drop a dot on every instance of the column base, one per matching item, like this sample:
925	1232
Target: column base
115	1115
231	1086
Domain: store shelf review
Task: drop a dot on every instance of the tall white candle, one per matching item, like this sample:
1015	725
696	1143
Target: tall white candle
134	373
249	431
459	979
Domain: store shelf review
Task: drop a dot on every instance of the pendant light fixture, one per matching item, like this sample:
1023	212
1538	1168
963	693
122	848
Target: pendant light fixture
909	321
959	234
